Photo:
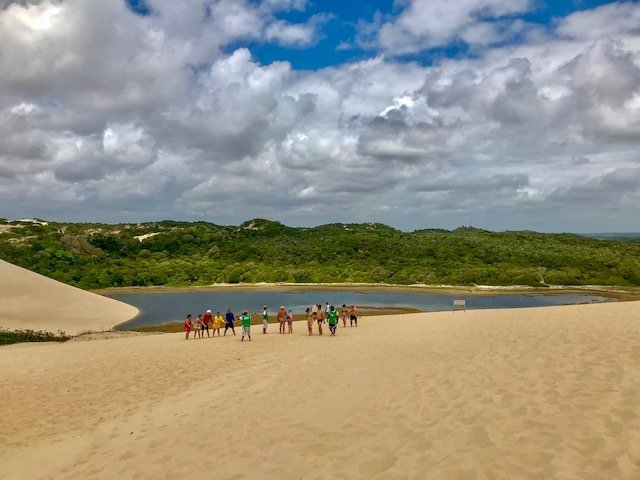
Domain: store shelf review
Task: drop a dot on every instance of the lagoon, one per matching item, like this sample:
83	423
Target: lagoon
165	306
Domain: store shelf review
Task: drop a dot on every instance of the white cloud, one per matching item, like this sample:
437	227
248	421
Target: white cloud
432	23
107	115
288	34
128	145
613	20
286	5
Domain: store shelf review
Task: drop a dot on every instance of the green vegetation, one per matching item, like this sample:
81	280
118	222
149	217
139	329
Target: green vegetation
8	337
183	254
173	327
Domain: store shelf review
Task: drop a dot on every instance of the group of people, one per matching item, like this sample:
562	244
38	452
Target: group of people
284	317
206	320
315	315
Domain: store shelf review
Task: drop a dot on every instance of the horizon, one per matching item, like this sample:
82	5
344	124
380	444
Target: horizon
508	116
50	220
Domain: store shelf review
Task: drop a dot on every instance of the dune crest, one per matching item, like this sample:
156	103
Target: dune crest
32	301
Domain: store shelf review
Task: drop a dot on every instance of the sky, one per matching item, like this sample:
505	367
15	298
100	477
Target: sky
504	115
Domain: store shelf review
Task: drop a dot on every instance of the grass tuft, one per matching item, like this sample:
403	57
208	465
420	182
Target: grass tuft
8	337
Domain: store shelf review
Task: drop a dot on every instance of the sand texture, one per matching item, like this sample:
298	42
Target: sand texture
538	393
31	301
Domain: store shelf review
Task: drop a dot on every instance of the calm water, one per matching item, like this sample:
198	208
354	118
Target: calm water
164	307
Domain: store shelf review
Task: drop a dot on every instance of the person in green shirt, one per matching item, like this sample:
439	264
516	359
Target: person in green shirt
245	318
333	320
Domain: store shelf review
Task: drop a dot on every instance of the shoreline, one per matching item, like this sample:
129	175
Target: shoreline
619	293
175	325
178	326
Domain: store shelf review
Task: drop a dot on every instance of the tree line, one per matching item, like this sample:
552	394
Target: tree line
171	253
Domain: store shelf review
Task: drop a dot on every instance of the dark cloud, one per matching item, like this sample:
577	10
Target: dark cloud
492	184
618	188
579	160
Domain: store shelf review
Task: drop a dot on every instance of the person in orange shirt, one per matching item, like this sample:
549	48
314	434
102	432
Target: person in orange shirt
282	318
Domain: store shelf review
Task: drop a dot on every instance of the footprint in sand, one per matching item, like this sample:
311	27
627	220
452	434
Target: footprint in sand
634	457
94	471
479	436
207	466
318	449
126	455
378	465
418	444
534	459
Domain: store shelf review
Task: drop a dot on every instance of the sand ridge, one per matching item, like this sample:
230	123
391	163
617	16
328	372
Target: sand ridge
32	301
524	393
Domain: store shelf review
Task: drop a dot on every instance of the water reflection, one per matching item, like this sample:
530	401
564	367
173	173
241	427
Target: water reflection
158	307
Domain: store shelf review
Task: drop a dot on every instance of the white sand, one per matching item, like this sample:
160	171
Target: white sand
538	393
32	301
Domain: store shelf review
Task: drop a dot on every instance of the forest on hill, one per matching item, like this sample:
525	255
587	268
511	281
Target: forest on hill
173	253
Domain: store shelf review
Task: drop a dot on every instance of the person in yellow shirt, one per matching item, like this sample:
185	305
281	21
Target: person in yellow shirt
218	321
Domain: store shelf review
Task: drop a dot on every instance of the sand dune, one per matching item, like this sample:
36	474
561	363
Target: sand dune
30	300
535	393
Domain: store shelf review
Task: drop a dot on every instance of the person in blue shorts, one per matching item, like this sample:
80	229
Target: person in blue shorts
229	318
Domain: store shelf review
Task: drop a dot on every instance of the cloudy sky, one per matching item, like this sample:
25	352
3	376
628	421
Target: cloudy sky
517	114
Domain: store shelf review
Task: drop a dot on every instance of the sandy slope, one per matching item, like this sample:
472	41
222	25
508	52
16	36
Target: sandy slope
529	393
29	300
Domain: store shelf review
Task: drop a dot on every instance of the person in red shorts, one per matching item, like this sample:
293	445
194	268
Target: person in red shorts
188	325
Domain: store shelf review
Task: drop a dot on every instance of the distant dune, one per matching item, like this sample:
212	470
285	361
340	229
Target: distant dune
613	235
29	300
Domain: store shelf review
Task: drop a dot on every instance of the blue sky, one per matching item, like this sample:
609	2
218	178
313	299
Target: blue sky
341	28
416	113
